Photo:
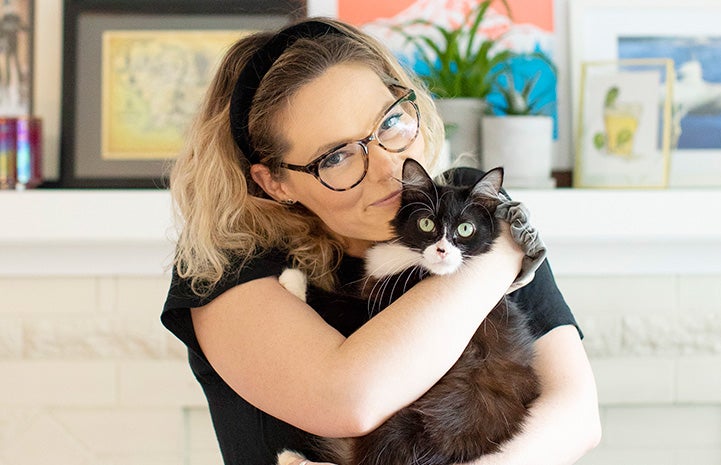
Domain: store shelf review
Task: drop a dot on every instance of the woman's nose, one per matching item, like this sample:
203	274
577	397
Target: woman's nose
382	164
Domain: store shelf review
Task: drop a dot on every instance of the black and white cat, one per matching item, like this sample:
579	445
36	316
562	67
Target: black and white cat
483	400
437	228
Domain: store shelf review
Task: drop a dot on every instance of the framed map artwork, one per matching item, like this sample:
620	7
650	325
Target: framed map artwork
134	75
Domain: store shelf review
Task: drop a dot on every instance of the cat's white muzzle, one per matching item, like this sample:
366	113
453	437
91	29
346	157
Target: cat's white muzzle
442	257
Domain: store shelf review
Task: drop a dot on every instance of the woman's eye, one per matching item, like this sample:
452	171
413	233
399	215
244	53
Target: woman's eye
390	121
426	224
335	159
466	229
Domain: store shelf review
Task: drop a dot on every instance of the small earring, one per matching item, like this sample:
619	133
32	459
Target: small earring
288	202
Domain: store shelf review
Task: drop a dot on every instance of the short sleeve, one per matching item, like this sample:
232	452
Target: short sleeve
176	311
543	303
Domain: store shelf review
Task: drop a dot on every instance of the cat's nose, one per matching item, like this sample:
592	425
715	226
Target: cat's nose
441	252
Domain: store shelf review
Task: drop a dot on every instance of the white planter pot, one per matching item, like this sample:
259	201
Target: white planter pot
522	145
462	118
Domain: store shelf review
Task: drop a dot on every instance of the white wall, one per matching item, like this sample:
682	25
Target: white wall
90	376
655	346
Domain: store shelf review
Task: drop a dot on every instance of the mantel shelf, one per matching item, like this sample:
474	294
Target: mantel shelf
111	232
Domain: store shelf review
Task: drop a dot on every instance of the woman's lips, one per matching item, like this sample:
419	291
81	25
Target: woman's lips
387	200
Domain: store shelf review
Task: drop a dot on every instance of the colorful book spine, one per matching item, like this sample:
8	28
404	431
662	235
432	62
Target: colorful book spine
8	153
29	152
20	152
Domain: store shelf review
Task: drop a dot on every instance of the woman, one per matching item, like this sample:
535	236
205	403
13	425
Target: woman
256	195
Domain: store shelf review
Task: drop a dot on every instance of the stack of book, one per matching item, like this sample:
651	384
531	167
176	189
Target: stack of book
20	152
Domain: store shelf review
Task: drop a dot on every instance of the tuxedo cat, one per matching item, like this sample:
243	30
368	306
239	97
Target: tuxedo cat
483	400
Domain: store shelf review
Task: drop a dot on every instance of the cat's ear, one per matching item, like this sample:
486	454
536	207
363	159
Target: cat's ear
414	174
490	184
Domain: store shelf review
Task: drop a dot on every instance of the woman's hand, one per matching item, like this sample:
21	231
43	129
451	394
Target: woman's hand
505	257
526	236
505	244
508	244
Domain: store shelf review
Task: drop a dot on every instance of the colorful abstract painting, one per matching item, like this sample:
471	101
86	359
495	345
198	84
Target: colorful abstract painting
528	29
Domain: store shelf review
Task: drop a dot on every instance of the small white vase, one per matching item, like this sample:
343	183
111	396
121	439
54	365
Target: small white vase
462	118
522	145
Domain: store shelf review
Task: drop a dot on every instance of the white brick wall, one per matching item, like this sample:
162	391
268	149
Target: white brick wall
655	346
91	377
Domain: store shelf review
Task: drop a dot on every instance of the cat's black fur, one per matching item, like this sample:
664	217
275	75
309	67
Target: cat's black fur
484	398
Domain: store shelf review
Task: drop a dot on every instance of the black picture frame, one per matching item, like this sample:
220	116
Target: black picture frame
81	163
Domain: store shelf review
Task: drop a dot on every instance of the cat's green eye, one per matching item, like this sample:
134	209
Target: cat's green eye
466	229
426	224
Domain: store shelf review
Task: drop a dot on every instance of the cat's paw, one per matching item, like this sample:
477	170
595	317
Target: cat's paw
294	281
288	457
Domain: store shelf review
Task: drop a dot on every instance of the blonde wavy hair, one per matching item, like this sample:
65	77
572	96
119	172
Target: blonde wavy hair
224	218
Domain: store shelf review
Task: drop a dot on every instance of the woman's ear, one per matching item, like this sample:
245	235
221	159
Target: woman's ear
275	189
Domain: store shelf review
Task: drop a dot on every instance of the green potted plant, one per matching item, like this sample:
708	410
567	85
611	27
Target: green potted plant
461	69
519	102
517	130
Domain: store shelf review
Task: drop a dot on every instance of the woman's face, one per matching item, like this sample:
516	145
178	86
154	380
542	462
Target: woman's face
345	104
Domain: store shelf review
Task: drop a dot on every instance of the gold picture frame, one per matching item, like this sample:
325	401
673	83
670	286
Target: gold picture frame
624	131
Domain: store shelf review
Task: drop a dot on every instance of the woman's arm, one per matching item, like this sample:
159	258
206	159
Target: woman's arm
564	422
279	355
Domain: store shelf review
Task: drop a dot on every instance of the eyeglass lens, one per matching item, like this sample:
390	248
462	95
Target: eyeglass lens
346	166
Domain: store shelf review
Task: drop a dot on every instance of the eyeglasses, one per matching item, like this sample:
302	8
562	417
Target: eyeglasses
344	167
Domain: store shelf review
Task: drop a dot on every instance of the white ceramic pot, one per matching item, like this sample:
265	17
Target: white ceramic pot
462	118
522	145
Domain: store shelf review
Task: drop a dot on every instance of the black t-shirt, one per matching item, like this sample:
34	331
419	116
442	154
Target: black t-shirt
248	436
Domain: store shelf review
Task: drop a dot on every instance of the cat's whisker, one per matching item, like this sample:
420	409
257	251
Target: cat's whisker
419	206
382	292
482	205
424	193
379	290
443	195
392	266
396	281
374	296
408	279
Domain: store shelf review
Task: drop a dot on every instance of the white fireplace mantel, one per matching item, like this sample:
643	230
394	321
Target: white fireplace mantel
130	232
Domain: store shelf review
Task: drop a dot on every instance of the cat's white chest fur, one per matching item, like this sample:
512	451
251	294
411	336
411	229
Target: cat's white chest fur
389	258
294	281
